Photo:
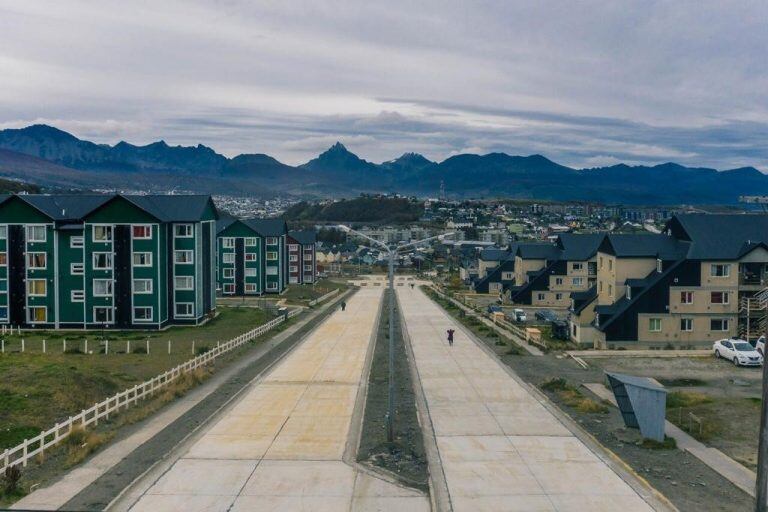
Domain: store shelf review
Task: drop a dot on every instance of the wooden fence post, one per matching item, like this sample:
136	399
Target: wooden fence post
193	347
127	346
64	345
106	346
147	345
169	347
86	345
43	346
22	345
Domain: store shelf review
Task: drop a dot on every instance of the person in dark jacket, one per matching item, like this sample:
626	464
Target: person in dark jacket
450	337
343	305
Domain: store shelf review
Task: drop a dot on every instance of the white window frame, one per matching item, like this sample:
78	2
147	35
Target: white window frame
271	240
228	288
35	229
191	313
228	257
251	241
33	253
725	324
30	316
110	260
110	287
726	297
148	227
3	231
228	242
293	247
293	257
108	229
250	256
147	291
577	266
686	294
185	252
148	255
294	268
578	281
271	286
188	231
77	296
654	325
189	279
44	294
272	271
76	269
272	256
688	324
251	272
150	318
251	288
4	316
110	313
726	267
76	242
228	273
307	268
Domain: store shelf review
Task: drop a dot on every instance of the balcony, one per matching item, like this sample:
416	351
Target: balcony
753	274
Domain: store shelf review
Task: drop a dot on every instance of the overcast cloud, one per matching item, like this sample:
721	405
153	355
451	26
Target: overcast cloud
585	83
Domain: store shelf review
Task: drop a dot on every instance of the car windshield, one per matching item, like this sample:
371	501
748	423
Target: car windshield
743	347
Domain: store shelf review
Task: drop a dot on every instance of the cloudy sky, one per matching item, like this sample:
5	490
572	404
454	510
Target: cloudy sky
585	83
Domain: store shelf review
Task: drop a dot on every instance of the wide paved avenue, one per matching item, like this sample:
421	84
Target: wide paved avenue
500	449
281	446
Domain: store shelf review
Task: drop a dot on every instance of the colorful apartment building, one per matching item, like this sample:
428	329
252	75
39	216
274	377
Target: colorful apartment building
302	260
106	261
251	256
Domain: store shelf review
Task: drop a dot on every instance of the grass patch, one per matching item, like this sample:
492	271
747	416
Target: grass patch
682	382
669	443
677	399
572	397
81	443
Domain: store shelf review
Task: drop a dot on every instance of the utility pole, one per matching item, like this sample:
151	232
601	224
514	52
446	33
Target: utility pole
761	492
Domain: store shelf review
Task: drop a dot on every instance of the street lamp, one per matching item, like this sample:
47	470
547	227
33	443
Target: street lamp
392	253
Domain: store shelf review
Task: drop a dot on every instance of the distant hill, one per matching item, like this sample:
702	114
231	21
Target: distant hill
49	156
361	209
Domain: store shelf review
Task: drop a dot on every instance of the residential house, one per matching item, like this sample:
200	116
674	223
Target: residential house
302	260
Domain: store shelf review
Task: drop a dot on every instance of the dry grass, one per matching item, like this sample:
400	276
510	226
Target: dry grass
81	443
572	397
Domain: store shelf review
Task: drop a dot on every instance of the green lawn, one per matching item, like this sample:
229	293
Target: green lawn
302	294
37	389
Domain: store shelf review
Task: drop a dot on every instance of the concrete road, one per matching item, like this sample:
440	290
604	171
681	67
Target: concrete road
499	447
281	447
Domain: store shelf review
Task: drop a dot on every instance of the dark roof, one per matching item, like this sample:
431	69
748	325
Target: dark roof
73	207
493	254
720	236
644	246
267	227
224	223
304	237
583	299
579	246
538	251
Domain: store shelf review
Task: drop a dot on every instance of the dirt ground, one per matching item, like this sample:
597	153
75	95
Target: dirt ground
682	478
405	457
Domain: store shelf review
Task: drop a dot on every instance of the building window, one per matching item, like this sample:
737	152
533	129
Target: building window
601	262
654	324
271	255
3	285
36	233
3	259
182	230
719	297
686	324
307	257
37	314
76	269
251	242
102	260
251	272
229	288
103	315
184	309
4	313
142	259
720	270
686	297
271	286
142	232
250	256
293	247
271	240
610	264
102	287
228	273
102	233
272	271
558	296
142	314
228	257
600	285
37	287
718	324
577	266
76	242
3	232
610	290
294	257
36	260
558	281
540	296
142	286
578	281
182	257
659	265
184	283
250	288
228	243
77	296
294	268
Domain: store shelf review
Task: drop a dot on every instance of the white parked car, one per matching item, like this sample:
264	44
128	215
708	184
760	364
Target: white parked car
519	315
739	351
760	345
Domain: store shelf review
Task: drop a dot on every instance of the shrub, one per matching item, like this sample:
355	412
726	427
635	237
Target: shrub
11	479
139	350
202	350
686	399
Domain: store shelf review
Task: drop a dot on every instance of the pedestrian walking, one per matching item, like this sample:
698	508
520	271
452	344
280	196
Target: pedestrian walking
343	305
411	286
450	337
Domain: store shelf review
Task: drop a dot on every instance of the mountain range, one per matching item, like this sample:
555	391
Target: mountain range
47	156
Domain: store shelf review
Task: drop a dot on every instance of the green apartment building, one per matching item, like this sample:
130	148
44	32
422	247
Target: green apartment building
106	261
251	256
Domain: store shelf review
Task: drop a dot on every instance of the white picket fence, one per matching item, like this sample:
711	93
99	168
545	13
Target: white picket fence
324	297
23	452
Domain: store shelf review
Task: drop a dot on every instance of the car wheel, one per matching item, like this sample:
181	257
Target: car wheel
735	361
717	354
